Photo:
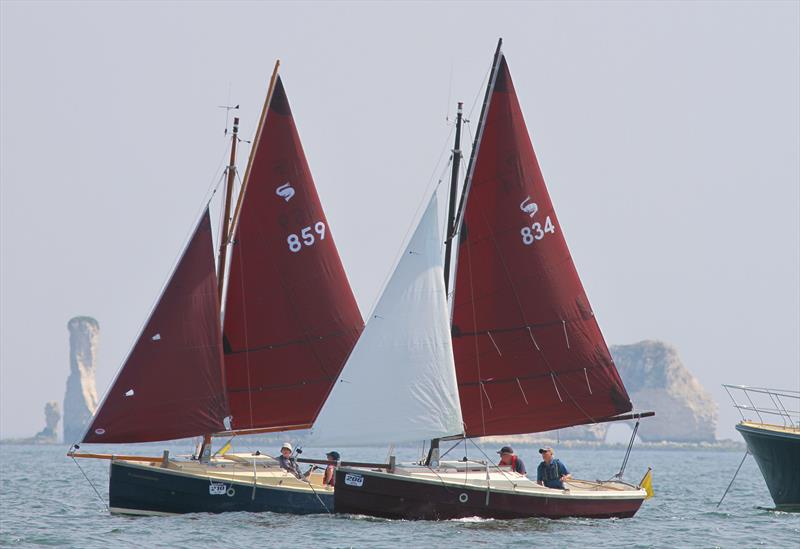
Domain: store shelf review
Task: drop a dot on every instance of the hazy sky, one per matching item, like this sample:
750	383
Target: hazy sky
668	134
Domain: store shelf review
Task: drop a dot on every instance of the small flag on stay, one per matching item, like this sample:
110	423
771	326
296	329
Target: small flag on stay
647	483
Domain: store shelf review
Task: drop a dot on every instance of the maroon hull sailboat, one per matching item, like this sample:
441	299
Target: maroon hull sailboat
528	353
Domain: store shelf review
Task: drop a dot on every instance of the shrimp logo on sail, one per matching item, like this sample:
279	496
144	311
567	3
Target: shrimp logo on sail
529	208
285	191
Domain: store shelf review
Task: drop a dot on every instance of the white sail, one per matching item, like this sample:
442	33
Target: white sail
399	384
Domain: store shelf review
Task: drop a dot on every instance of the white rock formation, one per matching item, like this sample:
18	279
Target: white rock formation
52	415
657	380
80	400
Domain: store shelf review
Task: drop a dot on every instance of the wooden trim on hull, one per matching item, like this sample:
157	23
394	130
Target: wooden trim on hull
402	497
148	490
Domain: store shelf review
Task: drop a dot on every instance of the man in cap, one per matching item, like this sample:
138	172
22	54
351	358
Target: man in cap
330	471
287	462
551	472
509	458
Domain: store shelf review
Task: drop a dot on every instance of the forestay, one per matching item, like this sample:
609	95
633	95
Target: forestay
399	383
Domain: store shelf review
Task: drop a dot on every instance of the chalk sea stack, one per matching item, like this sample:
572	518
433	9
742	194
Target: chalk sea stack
52	415
657	380
80	400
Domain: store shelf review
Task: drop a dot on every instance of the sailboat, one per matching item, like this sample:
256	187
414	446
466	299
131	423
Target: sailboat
517	350
250	345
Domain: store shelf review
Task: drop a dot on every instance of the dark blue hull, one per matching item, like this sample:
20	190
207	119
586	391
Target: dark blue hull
144	490
777	453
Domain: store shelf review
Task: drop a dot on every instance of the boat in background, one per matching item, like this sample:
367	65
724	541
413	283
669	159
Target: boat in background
254	347
774	442
519	351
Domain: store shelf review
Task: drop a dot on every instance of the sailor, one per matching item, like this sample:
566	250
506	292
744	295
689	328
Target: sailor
551	472
329	477
287	462
508	457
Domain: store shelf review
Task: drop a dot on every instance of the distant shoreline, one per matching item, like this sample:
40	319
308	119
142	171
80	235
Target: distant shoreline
724	445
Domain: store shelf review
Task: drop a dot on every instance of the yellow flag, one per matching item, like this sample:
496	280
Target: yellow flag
647	483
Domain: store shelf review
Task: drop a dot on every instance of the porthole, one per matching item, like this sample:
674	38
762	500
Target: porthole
231	492
464	497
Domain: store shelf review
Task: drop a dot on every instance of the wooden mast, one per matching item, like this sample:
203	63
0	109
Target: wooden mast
238	210
226	210
229	224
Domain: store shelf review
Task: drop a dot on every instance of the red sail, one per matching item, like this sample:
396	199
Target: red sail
529	353
290	318
171	385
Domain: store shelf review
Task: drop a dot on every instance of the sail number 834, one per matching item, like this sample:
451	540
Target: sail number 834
307	237
536	231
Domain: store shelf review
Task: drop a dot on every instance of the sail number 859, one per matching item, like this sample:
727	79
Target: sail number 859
306	237
536	232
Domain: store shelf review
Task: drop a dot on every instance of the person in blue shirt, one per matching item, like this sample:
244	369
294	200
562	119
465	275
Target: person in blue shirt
551	472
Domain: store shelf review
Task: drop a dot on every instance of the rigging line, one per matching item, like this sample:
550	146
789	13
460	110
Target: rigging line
475	328
627	452
734	477
407	237
480	89
444	484
310	485
448	451
91	484
449	91
490	462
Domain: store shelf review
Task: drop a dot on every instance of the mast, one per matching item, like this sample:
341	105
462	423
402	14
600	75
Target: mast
451	206
454	217
498	54
226	212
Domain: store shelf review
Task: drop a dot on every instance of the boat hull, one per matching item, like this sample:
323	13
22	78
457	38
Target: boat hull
401	497
777	453
147	490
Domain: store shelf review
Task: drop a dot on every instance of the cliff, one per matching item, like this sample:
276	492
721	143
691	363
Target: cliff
80	400
656	379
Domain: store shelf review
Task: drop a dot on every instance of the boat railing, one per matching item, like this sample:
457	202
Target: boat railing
762	402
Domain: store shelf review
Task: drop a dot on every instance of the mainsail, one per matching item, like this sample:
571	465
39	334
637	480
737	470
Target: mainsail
290	316
399	382
528	351
171	385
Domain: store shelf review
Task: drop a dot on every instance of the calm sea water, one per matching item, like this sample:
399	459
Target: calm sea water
45	500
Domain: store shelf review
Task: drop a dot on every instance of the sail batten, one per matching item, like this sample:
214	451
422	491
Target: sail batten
172	385
528	351
290	315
